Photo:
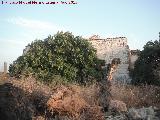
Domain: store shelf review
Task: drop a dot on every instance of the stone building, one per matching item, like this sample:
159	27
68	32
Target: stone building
133	57
114	48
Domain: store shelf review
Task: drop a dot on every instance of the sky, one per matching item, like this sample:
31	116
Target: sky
138	20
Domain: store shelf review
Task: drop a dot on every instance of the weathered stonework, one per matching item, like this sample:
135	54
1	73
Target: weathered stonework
133	57
110	48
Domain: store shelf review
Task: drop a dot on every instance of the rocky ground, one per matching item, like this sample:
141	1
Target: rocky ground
150	113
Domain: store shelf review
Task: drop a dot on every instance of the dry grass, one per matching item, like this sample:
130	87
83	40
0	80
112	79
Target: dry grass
72	101
32	86
3	77
39	101
137	96
76	102
14	104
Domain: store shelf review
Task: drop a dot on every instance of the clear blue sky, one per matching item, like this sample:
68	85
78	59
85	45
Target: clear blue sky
138	20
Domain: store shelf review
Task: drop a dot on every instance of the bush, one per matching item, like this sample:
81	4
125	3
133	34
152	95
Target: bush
71	57
136	96
31	99
147	67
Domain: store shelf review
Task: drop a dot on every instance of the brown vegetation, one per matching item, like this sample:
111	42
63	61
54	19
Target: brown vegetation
29	99
3	77
137	96
72	101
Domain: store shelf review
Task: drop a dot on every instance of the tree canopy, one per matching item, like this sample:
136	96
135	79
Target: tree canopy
64	54
147	67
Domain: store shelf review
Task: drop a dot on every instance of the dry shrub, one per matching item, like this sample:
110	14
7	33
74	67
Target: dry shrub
70	106
3	77
29	92
136	96
117	106
72	101
91	93
92	113
65	102
96	94
38	118
38	94
76	102
31	85
14	104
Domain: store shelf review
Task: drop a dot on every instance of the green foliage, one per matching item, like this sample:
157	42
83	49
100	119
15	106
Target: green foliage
71	57
147	67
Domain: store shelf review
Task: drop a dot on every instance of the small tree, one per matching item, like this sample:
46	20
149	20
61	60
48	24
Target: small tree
147	67
64	54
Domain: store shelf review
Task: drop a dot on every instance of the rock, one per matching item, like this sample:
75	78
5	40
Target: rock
157	113
142	113
150	113
117	106
117	117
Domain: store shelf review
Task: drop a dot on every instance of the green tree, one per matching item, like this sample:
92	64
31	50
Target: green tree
64	54
147	67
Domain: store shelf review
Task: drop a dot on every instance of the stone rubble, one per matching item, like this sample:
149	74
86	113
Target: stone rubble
145	113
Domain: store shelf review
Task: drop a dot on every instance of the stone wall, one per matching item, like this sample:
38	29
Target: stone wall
110	48
133	57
